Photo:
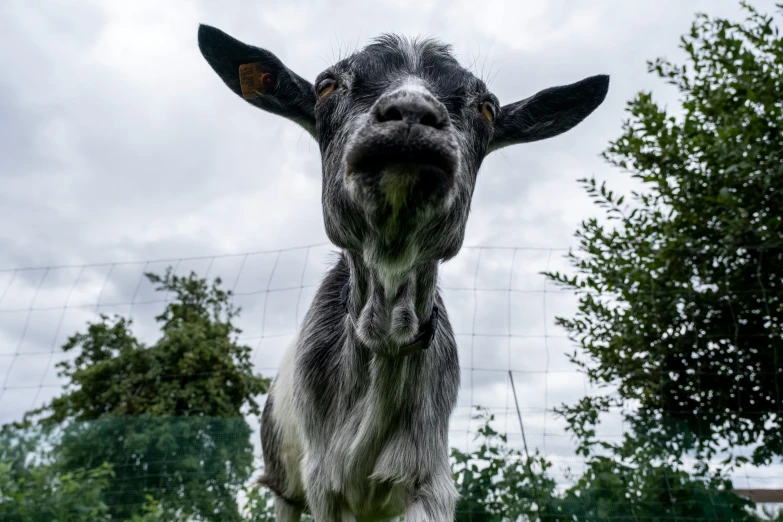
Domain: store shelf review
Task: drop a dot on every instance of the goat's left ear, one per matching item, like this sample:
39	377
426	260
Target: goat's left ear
548	113
265	81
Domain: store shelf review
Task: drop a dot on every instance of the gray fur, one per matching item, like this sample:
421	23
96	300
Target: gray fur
355	427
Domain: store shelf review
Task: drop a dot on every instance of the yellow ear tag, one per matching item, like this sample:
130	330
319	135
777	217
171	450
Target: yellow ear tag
254	80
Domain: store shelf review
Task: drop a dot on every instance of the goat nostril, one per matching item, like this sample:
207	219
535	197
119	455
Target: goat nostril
391	114
430	120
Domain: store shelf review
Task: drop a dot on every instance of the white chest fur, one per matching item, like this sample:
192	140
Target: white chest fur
373	465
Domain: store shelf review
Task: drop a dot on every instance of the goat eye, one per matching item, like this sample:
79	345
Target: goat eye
488	110
325	87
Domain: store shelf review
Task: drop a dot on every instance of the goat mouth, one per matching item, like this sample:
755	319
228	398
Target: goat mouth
412	149
375	160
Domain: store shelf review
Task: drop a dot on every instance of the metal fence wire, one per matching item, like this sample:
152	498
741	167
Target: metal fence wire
514	359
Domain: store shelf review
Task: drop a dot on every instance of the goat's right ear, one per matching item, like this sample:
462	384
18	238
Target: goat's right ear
259	77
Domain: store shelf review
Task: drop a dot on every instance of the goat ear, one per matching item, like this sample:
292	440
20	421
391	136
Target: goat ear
265	81
551	112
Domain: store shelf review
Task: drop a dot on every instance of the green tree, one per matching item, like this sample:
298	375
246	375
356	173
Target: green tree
32	489
609	489
45	494
167	417
681	292
498	483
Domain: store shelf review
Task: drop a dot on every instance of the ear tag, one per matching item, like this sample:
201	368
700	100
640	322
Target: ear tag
254	80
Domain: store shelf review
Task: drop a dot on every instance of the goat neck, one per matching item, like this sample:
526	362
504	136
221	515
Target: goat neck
387	309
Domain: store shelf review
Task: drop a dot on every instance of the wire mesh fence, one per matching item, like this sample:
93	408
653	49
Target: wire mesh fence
514	360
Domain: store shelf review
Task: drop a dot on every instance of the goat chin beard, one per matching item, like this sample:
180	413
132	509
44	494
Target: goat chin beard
396	184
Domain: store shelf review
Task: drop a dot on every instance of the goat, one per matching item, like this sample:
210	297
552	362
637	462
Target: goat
355	427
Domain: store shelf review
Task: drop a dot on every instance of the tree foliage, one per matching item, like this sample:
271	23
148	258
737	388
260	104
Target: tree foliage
168	418
32	489
610	489
195	368
498	483
681	291
45	494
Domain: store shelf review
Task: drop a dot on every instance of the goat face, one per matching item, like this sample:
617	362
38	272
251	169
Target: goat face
402	130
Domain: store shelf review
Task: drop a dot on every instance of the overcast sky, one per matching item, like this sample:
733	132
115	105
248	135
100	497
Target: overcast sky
119	144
